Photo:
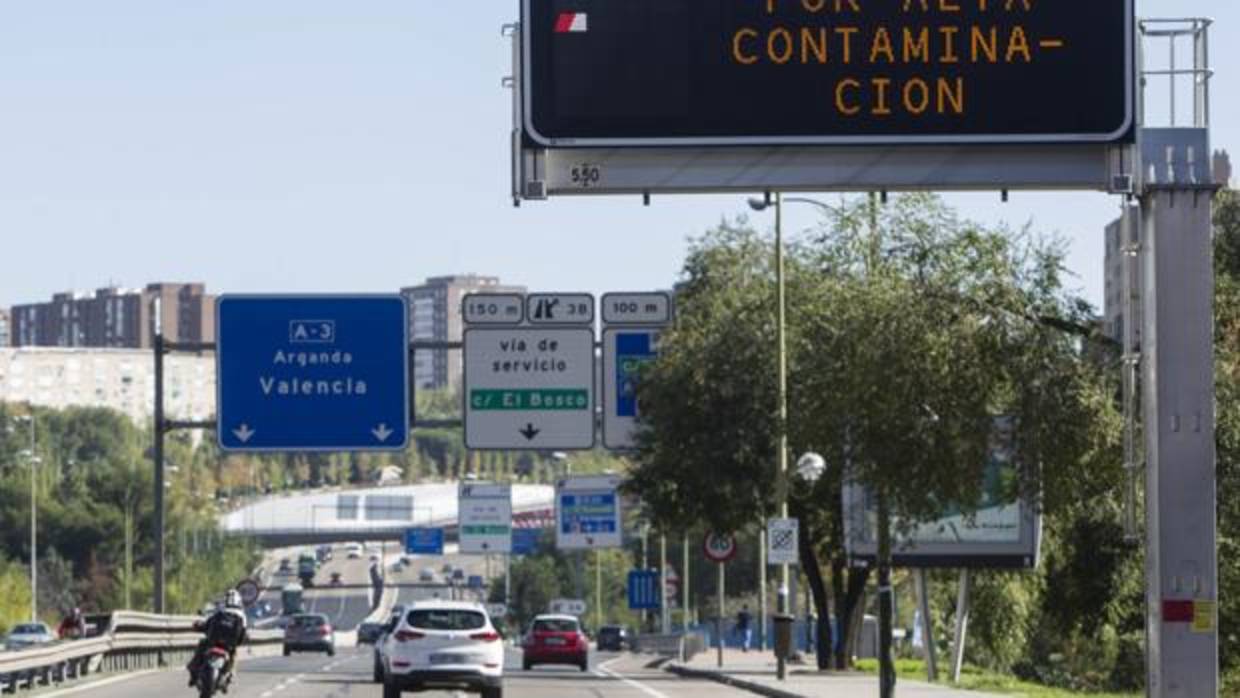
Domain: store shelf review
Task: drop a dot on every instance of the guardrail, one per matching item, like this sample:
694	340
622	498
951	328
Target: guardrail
680	646
130	642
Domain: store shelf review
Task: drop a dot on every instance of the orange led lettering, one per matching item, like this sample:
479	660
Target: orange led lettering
1019	44
917	47
738	51
780	57
815	42
882	45
847	33
840	104
987	45
881	86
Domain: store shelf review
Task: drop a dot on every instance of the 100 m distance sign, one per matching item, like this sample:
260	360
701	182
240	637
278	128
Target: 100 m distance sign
702	72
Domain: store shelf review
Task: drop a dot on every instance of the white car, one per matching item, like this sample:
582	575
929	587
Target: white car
448	645
27	635
354	551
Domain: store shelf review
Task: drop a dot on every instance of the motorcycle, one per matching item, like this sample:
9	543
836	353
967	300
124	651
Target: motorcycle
211	675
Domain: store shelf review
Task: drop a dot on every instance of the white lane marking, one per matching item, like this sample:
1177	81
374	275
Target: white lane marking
605	671
96	684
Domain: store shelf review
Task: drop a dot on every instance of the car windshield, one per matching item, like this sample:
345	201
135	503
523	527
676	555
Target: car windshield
609	631
446	619
28	629
555	625
308	621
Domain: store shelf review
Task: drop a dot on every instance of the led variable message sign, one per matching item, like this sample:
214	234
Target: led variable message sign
772	72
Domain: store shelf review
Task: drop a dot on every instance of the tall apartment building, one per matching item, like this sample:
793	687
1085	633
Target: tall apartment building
116	318
1118	236
4	328
435	315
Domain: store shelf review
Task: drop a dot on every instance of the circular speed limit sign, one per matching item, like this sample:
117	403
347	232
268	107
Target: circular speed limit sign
719	548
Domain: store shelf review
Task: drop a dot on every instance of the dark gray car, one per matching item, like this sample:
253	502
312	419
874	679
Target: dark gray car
309	632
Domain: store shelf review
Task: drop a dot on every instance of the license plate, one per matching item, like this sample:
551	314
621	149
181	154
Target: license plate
449	659
555	641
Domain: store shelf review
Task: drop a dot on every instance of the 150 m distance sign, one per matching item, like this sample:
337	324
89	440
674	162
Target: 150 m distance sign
602	73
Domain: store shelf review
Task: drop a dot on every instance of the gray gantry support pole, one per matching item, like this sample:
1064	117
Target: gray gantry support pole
1178	393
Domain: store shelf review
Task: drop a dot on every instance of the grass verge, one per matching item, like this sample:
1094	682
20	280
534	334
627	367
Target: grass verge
974	679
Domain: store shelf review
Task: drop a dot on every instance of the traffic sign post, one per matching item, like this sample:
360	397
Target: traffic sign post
568	607
633	324
529	388
643	588
719	548
424	541
485	513
588	513
782	537
312	373
525	540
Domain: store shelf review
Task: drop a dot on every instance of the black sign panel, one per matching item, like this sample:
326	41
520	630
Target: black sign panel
731	72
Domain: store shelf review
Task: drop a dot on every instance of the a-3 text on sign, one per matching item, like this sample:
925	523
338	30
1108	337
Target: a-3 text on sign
782	72
588	513
312	373
782	542
529	388
485	512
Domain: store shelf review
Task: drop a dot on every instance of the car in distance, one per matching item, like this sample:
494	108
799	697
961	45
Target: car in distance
614	638
556	639
426	575
448	645
27	635
354	551
309	632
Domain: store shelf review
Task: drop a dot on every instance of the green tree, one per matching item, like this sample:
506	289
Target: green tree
910	331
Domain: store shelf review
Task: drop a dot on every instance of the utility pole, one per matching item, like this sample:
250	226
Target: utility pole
158	457
664	611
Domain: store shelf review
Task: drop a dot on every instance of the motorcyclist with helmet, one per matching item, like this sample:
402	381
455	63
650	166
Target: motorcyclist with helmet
225	628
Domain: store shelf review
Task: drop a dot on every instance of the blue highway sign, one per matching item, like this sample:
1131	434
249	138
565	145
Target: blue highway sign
644	590
312	373
525	540
424	541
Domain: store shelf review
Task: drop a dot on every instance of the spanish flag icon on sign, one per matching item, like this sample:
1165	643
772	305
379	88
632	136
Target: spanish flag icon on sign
572	23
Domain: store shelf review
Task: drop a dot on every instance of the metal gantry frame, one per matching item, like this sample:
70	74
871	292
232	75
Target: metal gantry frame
164	426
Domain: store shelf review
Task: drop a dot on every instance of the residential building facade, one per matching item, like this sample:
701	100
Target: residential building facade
5	339
116	318
120	379
435	315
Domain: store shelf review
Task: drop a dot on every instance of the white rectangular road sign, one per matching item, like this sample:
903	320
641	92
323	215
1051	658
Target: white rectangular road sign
782	544
493	309
625	352
567	607
587	513
529	388
559	309
485	518
637	309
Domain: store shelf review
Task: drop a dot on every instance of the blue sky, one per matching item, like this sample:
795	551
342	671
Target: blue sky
320	145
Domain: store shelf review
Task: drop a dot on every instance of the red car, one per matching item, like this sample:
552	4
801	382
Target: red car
556	640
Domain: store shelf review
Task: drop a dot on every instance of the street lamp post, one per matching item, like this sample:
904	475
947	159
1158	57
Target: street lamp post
33	460
760	205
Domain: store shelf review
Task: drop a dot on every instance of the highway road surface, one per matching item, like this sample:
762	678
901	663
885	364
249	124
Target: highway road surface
348	675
